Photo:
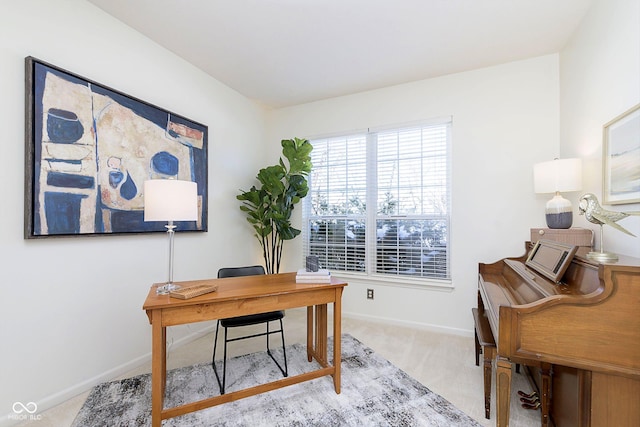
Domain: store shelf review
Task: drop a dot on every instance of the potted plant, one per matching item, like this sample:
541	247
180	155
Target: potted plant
269	207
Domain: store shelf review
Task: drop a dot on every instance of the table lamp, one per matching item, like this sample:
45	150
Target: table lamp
170	200
555	176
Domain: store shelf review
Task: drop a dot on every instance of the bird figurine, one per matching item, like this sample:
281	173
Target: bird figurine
593	212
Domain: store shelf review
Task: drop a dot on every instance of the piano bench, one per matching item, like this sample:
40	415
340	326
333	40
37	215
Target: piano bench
486	345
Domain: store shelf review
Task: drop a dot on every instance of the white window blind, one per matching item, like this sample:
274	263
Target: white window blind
336	204
379	202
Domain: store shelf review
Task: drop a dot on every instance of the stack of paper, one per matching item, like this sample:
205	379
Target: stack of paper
320	276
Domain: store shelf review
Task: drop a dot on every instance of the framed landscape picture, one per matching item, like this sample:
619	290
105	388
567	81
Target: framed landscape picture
621	158
89	149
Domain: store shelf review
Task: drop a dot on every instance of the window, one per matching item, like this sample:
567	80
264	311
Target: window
378	202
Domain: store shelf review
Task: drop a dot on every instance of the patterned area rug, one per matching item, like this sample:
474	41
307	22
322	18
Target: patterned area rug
374	393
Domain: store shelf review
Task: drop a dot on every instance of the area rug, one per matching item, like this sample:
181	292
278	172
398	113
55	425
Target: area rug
374	393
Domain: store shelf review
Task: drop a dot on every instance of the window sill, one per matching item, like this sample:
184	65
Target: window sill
398	281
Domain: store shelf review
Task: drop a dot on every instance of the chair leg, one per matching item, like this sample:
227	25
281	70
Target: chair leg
267	336
222	384
224	363
284	352
285	371
213	360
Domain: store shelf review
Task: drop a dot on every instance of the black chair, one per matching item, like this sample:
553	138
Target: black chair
251	319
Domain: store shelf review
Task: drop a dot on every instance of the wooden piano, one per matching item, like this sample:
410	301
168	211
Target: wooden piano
580	337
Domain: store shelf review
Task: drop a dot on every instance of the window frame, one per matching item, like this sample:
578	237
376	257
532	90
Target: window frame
372	217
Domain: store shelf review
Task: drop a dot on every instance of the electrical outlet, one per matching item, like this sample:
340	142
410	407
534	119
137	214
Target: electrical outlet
369	293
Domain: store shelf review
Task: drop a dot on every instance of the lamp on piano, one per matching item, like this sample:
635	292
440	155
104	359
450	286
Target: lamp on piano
555	176
170	200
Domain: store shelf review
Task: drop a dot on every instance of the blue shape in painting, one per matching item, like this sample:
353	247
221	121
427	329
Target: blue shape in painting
62	211
69	180
115	178
165	163
129	189
124	221
63	126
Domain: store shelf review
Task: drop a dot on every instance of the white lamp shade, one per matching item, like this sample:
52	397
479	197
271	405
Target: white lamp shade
170	200
557	175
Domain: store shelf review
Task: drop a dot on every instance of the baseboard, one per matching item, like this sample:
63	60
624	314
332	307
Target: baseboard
410	324
62	396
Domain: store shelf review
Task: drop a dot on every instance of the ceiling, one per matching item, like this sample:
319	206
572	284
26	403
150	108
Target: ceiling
287	52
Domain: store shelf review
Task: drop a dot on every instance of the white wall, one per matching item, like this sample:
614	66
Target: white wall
600	79
70	311
505	119
71	308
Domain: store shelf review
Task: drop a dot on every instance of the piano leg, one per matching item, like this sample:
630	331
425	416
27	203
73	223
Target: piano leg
478	350
489	355
545	398
503	391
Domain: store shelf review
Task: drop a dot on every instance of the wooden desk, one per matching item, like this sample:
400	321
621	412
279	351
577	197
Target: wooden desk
238	296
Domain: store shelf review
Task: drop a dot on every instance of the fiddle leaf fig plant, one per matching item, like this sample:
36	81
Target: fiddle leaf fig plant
269	207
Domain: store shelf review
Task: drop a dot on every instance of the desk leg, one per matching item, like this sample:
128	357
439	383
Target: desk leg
158	368
309	332
337	338
321	333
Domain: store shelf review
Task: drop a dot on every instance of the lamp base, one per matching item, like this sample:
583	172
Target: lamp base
559	220
602	256
167	288
559	213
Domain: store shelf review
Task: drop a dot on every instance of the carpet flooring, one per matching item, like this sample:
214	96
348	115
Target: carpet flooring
374	393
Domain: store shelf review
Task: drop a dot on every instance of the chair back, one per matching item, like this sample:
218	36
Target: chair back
253	270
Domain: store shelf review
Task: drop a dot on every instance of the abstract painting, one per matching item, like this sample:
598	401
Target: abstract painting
621	158
89	150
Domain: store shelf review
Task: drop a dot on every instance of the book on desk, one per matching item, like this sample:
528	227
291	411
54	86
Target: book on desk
188	292
320	276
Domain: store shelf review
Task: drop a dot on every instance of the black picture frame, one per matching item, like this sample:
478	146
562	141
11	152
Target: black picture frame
88	150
